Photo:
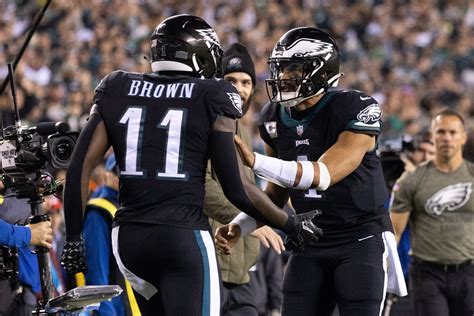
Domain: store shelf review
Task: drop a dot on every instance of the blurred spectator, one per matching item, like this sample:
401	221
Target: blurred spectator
436	199
416	150
36	69
468	150
238	296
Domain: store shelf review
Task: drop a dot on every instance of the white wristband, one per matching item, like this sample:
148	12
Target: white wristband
307	175
276	170
324	177
247	224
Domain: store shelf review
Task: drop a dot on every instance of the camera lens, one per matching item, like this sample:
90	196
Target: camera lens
60	148
63	149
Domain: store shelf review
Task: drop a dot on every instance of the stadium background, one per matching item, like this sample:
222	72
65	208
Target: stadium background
414	57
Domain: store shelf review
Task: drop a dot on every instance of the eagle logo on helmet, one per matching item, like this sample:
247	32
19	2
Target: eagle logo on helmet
449	198
306	47
209	35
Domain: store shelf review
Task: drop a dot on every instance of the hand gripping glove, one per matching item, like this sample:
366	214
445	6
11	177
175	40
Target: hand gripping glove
306	233
73	258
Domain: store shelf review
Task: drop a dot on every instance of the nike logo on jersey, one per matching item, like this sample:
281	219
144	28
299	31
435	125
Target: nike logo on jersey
449	198
364	238
364	98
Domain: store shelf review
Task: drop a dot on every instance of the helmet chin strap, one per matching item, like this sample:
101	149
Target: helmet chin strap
293	102
332	82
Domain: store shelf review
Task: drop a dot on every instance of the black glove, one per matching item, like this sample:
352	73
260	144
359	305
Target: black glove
73	258
305	233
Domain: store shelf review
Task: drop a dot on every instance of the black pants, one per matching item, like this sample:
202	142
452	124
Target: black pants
351	276
174	270
16	304
238	300
436	292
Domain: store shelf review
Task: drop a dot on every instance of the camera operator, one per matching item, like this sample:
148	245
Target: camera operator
39	234
17	294
417	150
414	150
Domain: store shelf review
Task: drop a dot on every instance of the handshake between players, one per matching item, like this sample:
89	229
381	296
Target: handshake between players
305	233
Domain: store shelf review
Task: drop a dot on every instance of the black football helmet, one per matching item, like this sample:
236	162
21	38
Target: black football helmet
186	43
305	62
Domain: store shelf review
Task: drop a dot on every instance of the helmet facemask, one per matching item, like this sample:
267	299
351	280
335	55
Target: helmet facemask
290	80
293	81
304	63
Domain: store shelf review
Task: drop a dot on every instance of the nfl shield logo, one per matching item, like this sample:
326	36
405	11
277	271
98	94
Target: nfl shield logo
299	130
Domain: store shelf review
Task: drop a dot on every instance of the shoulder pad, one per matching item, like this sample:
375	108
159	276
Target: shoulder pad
362	112
267	113
223	98
108	80
352	96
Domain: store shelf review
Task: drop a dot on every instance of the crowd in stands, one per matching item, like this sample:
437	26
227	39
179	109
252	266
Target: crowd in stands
413	56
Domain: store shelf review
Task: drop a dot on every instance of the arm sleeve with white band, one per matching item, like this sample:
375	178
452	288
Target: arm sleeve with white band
238	189
283	172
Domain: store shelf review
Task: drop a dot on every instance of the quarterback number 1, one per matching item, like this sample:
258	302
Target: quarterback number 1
134	118
311	193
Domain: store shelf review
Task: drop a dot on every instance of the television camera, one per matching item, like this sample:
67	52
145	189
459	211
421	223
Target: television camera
392	151
25	152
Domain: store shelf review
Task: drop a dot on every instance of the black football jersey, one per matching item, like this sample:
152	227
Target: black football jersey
354	207
158	127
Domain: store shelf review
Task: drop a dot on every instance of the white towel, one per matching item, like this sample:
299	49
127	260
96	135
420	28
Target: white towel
396	281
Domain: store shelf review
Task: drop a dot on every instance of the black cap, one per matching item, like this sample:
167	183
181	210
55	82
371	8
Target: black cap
237	59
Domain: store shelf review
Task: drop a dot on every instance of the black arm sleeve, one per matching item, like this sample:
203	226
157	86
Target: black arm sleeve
72	190
238	189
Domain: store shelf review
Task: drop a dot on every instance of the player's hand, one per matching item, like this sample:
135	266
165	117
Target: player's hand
41	234
306	233
226	237
247	155
268	237
73	258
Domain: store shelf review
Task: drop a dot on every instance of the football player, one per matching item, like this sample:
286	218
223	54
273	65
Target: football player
163	127
321	153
